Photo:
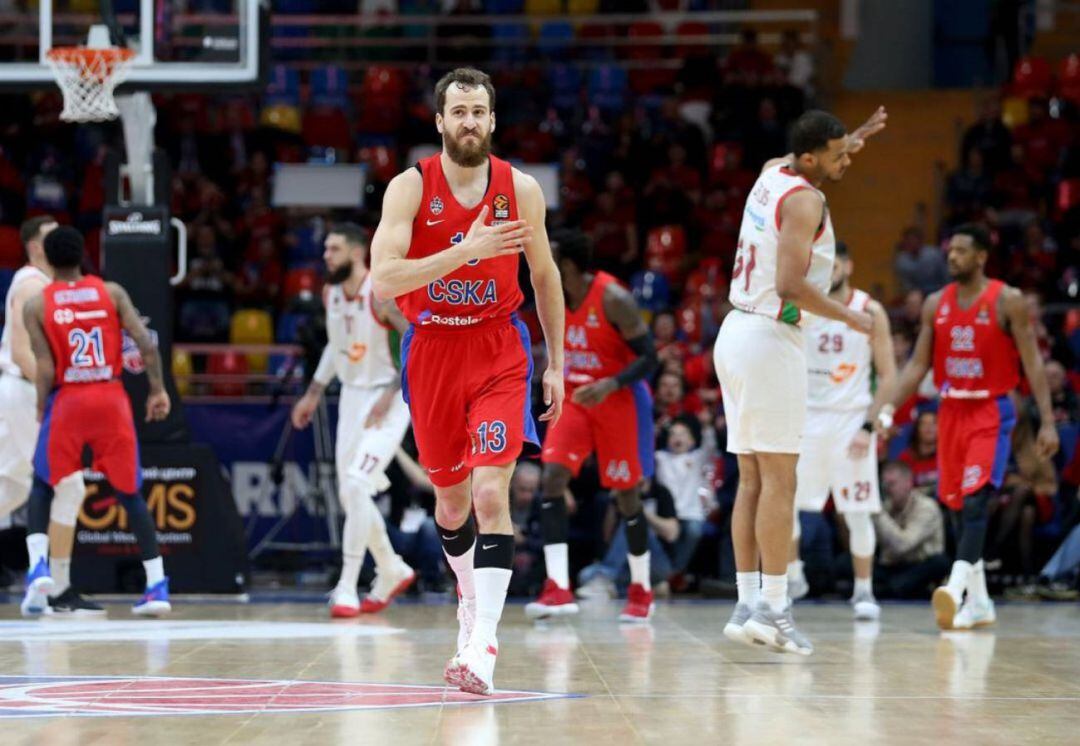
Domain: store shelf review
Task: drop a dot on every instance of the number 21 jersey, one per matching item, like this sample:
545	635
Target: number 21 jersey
83	330
753	278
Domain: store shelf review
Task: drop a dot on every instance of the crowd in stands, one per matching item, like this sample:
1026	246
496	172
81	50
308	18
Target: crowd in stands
655	166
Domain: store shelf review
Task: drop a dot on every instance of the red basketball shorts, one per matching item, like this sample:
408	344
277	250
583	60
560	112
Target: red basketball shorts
619	430
97	415
974	437
468	391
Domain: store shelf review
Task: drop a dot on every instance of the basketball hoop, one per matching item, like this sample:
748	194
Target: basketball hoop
88	77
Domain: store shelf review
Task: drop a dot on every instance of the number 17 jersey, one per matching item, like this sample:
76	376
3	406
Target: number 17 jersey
753	278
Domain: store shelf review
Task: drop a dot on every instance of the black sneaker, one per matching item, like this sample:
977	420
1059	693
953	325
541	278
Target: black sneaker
70	603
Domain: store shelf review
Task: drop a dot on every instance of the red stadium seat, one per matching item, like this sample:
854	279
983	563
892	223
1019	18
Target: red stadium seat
691	28
648	47
665	249
382	161
11	249
327	127
1068	196
227	364
1069	79
1032	77
301	281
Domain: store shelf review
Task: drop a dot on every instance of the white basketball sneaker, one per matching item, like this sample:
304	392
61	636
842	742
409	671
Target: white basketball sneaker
344	603
866	607
975	615
476	666
466	616
945	604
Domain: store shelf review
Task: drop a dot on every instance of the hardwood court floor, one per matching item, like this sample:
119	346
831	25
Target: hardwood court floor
676	682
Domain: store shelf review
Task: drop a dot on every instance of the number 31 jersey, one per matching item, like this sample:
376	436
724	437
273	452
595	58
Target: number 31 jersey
753	279
83	330
839	360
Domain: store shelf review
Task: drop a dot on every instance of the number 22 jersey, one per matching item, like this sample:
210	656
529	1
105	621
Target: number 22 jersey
753	278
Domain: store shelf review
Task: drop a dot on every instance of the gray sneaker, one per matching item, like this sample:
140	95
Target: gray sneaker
777	630
733	630
866	607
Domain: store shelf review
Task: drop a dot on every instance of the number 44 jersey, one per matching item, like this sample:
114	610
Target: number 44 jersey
753	278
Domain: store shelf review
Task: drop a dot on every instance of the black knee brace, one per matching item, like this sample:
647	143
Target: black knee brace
41	495
974	518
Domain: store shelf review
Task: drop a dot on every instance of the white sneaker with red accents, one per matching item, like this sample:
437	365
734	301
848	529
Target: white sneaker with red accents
466	615
476	666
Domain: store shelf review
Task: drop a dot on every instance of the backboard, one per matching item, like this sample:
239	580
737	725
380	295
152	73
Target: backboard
199	44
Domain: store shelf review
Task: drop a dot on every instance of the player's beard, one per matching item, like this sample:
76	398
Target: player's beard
467	156
339	275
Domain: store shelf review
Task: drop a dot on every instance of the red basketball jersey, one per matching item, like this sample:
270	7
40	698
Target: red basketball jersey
83	330
595	347
474	292
974	356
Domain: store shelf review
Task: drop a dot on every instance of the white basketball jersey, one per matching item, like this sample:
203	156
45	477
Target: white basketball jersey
839	360
753	279
7	363
359	340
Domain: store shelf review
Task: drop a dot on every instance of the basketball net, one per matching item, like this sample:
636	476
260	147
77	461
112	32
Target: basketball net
88	75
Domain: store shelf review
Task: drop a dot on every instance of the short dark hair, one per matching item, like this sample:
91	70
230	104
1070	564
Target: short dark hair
690	423
897	464
64	247
842	250
353	234
978	235
573	246
813	131
466	77
31	229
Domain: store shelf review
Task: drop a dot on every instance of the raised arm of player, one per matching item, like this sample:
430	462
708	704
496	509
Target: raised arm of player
881	349
547	287
157	401
393	275
44	366
917	366
21	352
800	216
1023	334
622	311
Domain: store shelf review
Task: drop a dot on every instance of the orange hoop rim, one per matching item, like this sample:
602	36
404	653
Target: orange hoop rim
85	55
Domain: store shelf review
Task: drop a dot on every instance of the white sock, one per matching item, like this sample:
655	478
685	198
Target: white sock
795	570
958	578
749	585
155	571
60	569
462	566
354	535
37	546
639	569
864	586
977	583
382	551
557	561
491	585
774	591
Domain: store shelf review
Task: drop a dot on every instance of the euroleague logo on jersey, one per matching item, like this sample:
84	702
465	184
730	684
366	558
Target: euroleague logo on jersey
501	207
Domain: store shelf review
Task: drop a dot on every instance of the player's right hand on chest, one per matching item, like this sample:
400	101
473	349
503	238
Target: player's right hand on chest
487	241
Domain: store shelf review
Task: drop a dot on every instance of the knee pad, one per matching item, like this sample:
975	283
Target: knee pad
70	492
861	536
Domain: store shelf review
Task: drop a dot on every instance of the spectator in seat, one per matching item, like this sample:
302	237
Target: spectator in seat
921	454
525	516
685	468
920	265
614	238
207	274
795	63
259	280
989	136
748	64
968	189
1062	396
911	538
1043	139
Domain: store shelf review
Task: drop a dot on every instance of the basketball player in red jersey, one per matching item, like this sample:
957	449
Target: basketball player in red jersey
75	333
975	333
609	354
447	248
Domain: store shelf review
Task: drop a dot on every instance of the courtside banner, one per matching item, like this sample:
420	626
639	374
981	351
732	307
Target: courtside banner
245	437
198	530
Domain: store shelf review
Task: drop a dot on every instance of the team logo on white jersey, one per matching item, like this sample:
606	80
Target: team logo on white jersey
436	205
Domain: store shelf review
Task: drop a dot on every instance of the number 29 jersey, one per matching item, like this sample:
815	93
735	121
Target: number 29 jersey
753	278
83	330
